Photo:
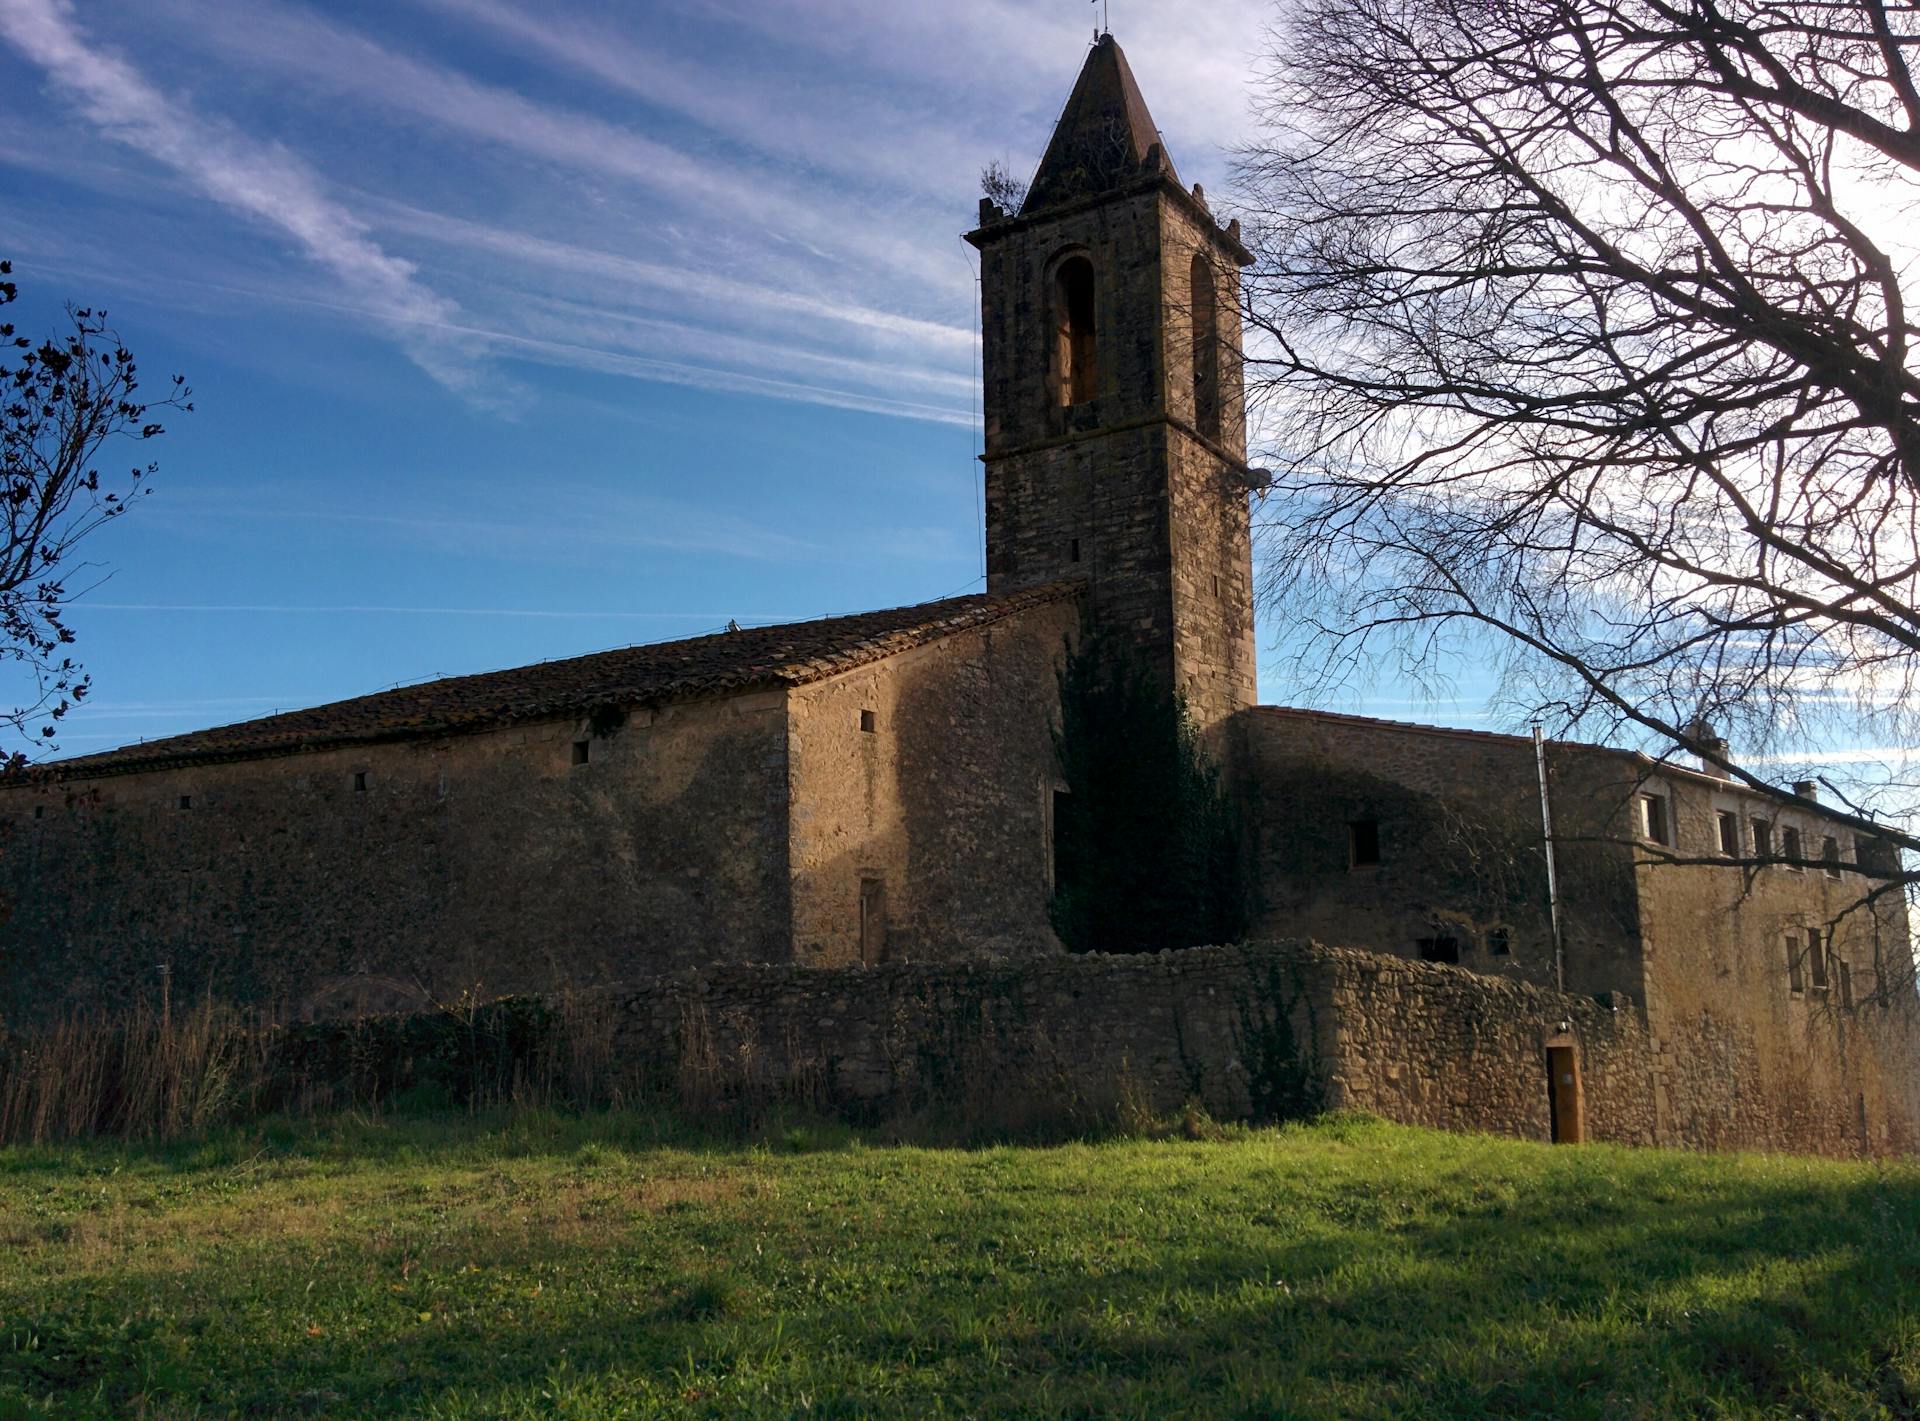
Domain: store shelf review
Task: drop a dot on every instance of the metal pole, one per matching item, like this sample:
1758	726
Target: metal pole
1553	874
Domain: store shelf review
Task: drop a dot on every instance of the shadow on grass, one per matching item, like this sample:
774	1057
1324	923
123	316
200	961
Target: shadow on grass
1501	1281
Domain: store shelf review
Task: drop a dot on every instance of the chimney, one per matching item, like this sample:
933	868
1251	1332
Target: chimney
1702	733
1807	789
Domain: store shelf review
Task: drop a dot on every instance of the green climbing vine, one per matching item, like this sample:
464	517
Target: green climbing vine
1146	841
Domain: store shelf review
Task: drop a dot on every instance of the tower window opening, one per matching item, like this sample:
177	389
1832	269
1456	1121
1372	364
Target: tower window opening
1059	831
1363	843
1204	297
1830	856
1075	356
873	921
1073	550
1653	819
1729	826
582	749
1817	959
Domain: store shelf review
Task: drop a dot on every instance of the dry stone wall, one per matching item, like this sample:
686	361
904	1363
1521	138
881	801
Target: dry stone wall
1239	1029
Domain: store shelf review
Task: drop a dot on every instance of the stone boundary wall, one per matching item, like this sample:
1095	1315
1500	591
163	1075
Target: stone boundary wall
1249	1032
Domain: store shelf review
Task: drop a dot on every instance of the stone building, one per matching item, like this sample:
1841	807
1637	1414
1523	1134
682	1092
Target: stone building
1775	992
880	787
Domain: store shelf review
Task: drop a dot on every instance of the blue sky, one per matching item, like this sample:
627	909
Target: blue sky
520	331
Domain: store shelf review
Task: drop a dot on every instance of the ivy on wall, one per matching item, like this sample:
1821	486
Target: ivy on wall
1146	841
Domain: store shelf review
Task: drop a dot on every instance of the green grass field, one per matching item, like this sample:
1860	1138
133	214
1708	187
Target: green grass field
535	1265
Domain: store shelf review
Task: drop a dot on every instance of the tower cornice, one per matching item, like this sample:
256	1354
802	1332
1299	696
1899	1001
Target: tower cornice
991	231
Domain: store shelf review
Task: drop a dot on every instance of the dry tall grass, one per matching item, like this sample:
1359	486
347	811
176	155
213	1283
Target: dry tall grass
147	1073
139	1073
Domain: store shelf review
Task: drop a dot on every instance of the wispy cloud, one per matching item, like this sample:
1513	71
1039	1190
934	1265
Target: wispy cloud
562	521
262	181
913	145
686	284
286	39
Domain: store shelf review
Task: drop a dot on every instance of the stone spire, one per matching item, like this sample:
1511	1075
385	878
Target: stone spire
1105	135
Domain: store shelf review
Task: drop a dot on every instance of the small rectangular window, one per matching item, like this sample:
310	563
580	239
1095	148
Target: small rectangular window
1073	551
1845	970
873	921
1830	856
581	750
360	781
1796	973
1500	942
868	721
39	811
1762	839
1363	843
1790	849
1439	949
186	801
1059	807
1729	827
1817	959
1653	819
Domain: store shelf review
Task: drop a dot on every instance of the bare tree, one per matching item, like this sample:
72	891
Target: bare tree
61	403
1583	336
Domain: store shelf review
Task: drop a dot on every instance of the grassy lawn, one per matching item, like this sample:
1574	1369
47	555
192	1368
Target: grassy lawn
536	1265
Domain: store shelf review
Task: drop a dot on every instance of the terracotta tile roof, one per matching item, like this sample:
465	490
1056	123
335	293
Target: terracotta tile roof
1341	718
1645	764
790	654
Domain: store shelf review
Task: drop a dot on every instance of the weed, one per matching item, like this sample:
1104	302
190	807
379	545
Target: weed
713	1296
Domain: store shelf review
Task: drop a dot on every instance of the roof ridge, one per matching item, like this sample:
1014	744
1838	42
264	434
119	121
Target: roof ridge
713	663
1311	713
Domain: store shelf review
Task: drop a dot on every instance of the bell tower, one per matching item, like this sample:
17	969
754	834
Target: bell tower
1115	418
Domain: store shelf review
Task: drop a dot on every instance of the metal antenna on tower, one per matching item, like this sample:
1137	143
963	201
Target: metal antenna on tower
1106	20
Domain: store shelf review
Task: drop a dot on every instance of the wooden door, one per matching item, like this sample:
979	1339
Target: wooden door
1563	1096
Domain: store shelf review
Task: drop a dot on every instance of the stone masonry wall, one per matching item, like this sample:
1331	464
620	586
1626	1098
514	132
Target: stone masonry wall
928	777
1735	1056
1741	1055
1413	1042
487	863
1458	819
1121	489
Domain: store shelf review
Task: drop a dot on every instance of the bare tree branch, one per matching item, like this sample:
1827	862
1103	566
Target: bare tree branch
61	403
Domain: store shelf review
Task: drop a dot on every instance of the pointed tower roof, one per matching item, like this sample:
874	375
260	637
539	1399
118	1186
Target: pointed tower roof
1104	137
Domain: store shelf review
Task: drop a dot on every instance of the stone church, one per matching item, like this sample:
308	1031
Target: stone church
881	788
